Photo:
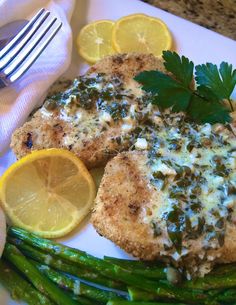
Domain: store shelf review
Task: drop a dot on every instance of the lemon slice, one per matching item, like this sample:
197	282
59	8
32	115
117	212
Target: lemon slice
94	40
47	192
141	33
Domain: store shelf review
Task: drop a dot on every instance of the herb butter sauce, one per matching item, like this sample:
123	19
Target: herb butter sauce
190	166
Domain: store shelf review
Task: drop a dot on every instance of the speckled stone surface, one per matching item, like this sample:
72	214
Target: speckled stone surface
219	16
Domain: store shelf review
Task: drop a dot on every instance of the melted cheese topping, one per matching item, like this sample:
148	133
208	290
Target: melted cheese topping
192	167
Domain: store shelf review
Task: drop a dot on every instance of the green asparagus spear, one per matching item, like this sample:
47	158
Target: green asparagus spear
226	296
82	300
127	263
221	277
19	288
144	296
223	269
78	257
136	294
75	285
101	296
212	282
139	268
62	265
44	285
162	290
115	302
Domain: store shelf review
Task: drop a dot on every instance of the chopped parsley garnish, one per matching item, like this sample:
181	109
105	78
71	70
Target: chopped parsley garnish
176	223
204	100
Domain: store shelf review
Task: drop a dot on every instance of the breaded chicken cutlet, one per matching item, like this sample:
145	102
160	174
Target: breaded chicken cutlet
175	200
96	117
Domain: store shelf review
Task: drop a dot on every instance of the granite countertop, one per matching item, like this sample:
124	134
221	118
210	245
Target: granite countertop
217	15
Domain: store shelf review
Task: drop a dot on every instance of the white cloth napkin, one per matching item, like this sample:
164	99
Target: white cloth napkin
18	100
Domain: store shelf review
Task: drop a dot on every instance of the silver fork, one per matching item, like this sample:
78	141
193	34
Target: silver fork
22	51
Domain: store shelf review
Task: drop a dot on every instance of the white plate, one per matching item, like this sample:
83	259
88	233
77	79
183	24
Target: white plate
195	42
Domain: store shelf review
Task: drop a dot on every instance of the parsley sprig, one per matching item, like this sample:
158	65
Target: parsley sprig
203	98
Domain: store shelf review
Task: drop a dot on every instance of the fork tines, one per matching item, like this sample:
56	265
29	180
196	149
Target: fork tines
21	52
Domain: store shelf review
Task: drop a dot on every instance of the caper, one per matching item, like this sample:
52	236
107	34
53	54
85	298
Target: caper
220	223
217	159
196	207
196	190
231	189
50	104
159	175
221	238
183	182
